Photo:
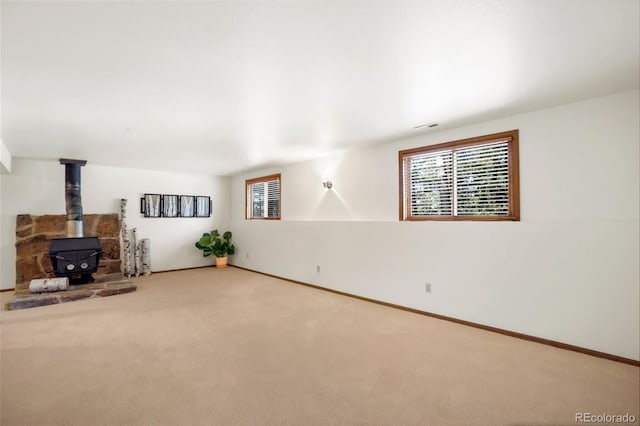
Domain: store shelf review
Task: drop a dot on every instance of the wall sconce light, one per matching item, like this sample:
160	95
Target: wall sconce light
327	184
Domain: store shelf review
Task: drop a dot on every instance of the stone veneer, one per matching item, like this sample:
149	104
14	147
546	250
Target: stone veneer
34	233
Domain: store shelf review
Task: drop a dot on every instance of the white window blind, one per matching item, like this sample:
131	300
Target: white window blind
482	180
461	179
257	199
263	197
273	198
430	177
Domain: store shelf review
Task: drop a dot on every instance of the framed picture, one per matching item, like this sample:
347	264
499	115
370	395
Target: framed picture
170	205
150	205
203	206
187	206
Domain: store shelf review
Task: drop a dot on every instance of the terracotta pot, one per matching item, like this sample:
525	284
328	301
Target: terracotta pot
221	262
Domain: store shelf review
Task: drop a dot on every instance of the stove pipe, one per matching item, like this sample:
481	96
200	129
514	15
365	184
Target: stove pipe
72	196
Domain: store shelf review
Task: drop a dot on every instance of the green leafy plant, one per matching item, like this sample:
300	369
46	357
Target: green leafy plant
212	243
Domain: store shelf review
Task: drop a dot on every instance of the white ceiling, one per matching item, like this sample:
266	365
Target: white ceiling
223	86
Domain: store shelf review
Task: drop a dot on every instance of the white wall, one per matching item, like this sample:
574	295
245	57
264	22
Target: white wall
37	187
5	158
5	167
2	237
568	271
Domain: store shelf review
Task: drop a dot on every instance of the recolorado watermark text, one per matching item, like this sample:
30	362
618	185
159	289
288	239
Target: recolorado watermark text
604	418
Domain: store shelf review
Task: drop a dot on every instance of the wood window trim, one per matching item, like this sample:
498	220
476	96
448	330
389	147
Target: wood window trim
514	177
248	183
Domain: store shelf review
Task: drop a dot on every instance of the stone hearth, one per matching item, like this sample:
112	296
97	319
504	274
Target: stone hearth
104	285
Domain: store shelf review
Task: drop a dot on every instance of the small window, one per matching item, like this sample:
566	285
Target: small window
470	179
263	197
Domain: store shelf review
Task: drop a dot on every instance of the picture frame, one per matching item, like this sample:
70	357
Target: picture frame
187	206
203	206
170	205
151	205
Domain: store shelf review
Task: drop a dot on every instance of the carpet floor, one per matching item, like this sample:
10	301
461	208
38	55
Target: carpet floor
232	347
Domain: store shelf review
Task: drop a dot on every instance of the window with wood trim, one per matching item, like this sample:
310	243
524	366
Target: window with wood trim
263	197
470	179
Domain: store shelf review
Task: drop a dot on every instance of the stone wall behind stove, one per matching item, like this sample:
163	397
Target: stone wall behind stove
33	234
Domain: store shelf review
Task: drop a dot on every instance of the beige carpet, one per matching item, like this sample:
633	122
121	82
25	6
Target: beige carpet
231	347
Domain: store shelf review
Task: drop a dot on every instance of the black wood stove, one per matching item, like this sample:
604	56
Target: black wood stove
75	256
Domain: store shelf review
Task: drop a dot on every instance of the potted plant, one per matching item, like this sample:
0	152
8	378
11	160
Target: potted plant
212	243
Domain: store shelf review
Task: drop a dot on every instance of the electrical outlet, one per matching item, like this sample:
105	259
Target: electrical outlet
317	268
427	287
247	255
